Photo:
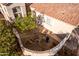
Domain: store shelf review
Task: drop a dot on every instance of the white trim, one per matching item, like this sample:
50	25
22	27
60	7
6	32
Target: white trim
22	7
22	11
6	11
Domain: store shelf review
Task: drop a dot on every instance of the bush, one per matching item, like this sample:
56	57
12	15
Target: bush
8	44
25	23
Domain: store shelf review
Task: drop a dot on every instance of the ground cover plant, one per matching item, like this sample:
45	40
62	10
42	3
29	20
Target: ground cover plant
8	42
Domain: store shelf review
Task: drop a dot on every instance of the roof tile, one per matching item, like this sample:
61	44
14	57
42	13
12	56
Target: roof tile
68	13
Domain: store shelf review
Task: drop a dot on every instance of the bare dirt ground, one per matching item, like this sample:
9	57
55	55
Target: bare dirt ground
35	40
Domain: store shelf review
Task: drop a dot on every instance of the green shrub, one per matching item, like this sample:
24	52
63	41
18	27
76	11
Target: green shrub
25	23
8	44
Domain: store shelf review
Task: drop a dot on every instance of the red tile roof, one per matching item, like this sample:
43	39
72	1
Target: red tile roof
68	13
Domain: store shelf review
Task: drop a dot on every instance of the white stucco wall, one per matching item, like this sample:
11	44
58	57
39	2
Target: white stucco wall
22	6
57	26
